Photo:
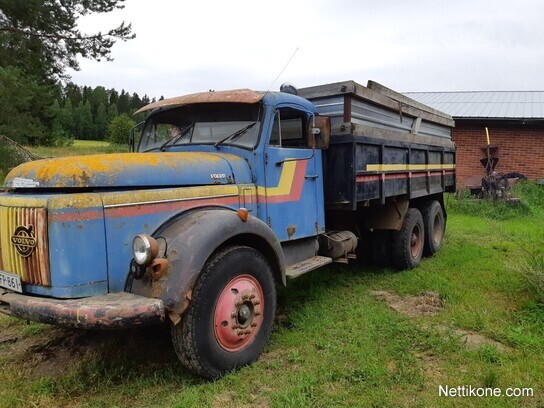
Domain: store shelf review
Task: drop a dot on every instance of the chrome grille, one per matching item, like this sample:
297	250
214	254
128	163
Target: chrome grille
25	228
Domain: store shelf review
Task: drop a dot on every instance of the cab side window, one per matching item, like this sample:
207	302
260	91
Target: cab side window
289	129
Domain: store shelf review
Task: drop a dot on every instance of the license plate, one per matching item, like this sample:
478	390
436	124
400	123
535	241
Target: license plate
11	281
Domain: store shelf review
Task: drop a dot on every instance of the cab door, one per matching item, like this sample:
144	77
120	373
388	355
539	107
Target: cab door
293	178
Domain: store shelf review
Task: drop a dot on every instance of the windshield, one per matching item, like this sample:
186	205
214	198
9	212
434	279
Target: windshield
202	124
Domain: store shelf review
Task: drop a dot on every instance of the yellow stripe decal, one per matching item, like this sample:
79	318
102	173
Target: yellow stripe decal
284	185
183	193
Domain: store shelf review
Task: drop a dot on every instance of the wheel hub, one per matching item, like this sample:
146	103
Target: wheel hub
416	242
245	314
238	313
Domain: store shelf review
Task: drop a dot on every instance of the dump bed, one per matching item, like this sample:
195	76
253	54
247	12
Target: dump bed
383	145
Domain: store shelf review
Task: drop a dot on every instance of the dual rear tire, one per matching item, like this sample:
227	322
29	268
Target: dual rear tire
407	243
421	234
435	227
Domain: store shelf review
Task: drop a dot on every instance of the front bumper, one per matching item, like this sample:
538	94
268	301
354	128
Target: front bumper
111	311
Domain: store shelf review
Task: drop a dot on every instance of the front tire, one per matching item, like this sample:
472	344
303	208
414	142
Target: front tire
230	316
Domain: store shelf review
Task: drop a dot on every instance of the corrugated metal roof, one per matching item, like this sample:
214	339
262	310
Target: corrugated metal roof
493	104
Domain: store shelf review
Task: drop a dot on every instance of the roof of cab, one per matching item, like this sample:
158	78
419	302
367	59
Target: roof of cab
236	96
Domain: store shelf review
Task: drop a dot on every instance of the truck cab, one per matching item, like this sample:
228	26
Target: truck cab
224	196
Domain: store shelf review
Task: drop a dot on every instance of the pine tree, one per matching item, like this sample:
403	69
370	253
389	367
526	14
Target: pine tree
67	118
42	37
101	122
123	104
135	102
113	97
86	122
112	112
73	92
19	114
39	39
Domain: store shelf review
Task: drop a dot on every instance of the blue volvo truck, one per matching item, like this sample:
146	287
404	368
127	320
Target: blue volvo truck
224	196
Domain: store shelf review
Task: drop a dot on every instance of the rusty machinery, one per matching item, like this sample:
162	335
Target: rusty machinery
495	185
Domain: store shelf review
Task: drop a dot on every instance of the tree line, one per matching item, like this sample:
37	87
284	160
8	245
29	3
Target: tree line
86	112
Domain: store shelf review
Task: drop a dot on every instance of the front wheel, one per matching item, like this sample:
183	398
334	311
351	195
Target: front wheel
230	317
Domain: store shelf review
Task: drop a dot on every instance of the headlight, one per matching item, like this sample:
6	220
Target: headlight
144	248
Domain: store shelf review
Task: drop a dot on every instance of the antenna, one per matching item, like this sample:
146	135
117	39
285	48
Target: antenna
286	65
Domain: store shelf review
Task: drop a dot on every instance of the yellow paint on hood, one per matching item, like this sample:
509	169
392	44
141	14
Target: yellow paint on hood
122	169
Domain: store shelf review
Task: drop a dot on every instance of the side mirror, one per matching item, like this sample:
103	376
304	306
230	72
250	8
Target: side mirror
319	132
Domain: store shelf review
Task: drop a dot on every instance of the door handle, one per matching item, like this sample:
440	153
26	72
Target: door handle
311	176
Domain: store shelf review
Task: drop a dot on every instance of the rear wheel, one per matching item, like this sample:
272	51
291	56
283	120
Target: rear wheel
407	244
435	225
229	319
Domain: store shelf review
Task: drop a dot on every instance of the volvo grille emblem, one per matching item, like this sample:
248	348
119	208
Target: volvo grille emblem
23	240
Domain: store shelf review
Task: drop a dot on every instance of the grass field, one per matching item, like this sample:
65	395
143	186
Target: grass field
464	317
80	147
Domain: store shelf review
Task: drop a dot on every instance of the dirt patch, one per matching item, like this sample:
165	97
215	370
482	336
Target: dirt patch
423	304
430	303
9	335
474	340
255	398
431	366
43	350
225	399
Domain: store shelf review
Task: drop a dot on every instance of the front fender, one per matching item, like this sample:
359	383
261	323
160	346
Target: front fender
191	240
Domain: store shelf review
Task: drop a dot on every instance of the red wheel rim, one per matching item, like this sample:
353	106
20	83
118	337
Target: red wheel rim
238	313
416	243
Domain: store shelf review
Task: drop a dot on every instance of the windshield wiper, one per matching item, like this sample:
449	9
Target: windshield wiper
176	138
235	135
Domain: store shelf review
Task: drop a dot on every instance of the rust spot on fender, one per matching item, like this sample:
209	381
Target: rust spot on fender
291	229
188	297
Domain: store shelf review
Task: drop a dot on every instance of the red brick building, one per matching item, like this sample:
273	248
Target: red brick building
515	121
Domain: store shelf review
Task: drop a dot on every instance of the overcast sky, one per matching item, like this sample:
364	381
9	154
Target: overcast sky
418	45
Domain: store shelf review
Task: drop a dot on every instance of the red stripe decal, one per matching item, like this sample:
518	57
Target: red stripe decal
146	209
76	216
296	187
142	209
391	176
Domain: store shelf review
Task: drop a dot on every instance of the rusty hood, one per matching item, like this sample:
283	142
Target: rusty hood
131	170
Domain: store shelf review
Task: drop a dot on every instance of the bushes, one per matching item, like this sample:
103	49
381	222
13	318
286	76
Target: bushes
498	210
119	129
530	194
10	157
533	271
